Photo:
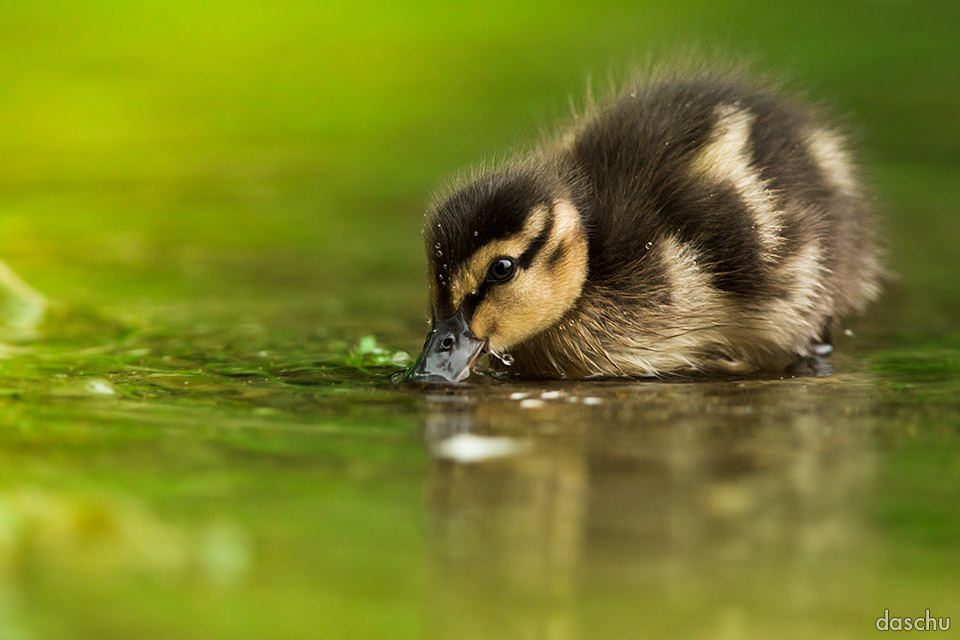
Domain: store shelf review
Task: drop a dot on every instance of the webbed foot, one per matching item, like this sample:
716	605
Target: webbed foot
815	362
813	365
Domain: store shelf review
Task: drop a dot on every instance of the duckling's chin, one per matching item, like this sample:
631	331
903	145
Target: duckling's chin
449	353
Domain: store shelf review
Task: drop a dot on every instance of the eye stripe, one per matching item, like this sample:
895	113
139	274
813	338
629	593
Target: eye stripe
558	254
472	301
536	235
526	258
478	298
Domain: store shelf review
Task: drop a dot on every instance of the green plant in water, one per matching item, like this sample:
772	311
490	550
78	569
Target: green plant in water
367	353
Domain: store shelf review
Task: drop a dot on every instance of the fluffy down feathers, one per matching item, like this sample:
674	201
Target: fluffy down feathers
691	224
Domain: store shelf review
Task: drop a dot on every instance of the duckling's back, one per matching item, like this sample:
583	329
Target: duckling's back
727	230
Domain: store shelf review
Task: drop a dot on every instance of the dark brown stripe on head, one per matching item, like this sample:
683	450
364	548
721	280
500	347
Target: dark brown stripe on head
526	258
557	255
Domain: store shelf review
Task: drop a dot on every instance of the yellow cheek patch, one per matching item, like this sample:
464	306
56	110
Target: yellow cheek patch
537	297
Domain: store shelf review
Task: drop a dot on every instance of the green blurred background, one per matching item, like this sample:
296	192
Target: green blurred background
223	198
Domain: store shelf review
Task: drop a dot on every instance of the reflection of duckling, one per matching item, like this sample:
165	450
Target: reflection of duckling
691	225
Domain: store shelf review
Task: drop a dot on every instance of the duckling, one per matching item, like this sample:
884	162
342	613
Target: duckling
691	225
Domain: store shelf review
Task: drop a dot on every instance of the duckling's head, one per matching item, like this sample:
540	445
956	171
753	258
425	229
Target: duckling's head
507	258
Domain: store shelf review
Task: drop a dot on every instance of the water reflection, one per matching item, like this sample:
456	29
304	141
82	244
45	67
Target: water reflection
705	510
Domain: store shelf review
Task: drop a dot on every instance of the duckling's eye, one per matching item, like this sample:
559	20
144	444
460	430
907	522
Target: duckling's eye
501	270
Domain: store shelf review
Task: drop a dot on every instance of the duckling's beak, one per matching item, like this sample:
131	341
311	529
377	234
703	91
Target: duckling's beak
449	353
